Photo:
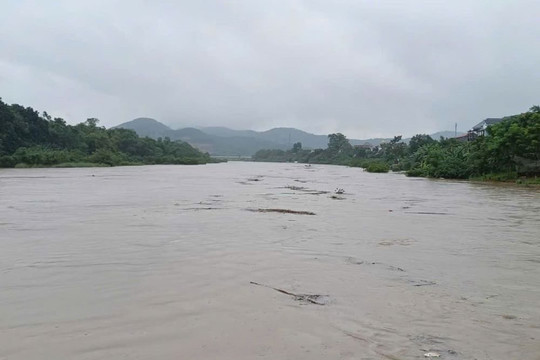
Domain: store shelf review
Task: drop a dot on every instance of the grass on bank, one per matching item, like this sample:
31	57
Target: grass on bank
510	177
370	165
62	165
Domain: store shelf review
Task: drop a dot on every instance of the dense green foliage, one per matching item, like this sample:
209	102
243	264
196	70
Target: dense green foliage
339	151
378	167
511	148
28	139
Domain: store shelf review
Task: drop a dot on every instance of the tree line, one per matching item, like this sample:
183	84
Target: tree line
509	149
30	139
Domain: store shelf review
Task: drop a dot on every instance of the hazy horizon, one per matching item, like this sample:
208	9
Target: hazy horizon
174	127
365	69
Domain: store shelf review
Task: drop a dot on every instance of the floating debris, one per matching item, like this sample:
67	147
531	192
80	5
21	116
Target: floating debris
211	202
315	192
401	242
423	340
295	188
283	211
202	208
432	354
422	283
244	183
339	191
310	298
426	213
305	190
354	261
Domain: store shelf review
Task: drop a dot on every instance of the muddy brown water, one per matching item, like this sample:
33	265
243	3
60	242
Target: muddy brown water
157	262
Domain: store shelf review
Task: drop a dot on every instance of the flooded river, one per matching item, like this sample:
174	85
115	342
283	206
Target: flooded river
177	262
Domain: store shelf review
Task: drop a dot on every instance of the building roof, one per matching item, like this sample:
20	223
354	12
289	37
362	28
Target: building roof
486	122
462	137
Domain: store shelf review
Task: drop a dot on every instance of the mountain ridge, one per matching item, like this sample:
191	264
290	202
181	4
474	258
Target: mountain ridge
144	126
219	140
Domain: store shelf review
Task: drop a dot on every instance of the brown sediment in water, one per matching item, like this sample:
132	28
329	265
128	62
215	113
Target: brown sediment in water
119	271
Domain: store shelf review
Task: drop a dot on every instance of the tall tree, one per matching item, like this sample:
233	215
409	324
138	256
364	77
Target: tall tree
338	143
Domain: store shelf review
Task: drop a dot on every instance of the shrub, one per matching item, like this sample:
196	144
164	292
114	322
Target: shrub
416	172
362	163
378	167
7	161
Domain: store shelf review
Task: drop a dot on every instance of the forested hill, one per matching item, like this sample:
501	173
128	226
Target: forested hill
30	139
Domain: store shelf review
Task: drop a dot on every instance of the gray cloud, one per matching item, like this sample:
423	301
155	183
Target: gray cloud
365	68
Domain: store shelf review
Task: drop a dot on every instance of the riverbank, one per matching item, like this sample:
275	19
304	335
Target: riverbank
377	166
508	178
91	165
63	165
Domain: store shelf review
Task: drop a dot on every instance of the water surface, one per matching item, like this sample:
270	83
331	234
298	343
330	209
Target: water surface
156	262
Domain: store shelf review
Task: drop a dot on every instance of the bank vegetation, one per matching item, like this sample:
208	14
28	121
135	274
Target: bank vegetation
508	151
28	139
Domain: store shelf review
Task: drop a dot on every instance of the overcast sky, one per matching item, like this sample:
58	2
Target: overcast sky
364	68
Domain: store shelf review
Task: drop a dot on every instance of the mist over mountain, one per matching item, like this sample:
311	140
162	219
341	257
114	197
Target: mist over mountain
147	127
226	132
222	141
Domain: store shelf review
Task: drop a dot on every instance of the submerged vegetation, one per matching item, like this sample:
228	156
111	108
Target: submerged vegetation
509	151
30	140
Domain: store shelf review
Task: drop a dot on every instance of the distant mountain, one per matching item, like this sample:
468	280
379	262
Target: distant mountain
446	134
189	134
146	127
222	145
226	132
228	142
282	136
289	136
